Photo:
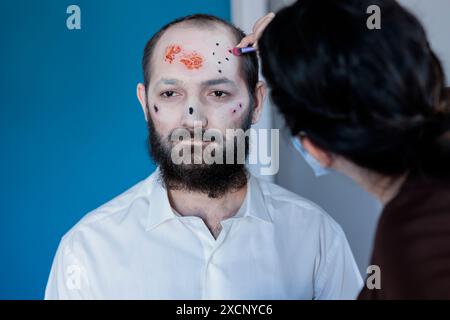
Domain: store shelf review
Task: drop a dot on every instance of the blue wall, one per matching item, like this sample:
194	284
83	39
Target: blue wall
72	133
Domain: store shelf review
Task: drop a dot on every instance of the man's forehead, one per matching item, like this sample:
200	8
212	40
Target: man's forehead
191	36
195	52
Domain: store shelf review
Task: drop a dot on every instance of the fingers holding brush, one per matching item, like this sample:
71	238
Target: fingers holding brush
258	28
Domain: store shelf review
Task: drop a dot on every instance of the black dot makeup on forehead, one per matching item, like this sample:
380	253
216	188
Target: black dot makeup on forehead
240	105
220	71
191	110
214	53
155	108
217	43
219	62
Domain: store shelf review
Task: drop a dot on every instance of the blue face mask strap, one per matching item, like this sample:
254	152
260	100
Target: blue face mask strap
312	162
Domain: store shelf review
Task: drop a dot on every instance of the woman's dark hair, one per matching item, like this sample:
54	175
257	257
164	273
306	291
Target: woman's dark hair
249	63
375	97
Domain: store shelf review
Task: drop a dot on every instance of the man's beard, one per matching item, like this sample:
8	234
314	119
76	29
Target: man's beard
214	179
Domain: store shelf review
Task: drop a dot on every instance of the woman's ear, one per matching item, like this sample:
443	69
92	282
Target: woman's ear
260	93
142	97
325	158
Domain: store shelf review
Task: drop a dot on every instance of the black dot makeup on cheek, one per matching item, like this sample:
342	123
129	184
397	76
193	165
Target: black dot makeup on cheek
155	108
220	71
240	105
214	53
217	44
219	62
191	110
229	51
227	59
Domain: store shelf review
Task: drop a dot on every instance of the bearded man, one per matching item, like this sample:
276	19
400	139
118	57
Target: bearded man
195	229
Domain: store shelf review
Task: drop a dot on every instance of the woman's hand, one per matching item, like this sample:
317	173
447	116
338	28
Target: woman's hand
258	28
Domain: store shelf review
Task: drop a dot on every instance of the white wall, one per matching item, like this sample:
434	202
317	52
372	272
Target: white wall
244	14
435	16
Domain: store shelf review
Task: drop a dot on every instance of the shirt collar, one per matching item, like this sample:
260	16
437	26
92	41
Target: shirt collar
159	209
256	205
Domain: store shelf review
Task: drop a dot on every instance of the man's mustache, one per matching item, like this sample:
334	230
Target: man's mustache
197	135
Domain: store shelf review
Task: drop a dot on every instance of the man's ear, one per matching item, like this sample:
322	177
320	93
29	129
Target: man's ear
325	158
142	97
260	93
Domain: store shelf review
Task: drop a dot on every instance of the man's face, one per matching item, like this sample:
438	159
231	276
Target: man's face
195	79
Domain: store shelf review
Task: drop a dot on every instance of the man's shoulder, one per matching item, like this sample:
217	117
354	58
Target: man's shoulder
283	203
111	212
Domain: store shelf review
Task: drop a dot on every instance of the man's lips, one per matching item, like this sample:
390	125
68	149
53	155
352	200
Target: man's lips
195	142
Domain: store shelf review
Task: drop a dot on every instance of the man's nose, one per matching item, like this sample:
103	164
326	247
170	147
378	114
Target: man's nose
194	114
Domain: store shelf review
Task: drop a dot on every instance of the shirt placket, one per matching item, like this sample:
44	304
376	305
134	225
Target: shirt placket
211	272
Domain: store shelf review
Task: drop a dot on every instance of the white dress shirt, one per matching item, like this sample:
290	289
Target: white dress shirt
277	246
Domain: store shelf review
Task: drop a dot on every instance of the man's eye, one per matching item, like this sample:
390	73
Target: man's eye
168	94
219	94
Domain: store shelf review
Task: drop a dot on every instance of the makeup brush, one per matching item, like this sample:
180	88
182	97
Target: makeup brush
241	51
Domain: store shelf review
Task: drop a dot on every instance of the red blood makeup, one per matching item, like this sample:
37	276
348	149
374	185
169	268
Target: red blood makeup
191	60
171	52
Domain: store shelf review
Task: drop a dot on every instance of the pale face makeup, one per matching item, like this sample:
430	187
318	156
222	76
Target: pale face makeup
195	77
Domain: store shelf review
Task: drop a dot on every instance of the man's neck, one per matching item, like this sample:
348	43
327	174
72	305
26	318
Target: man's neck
211	210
